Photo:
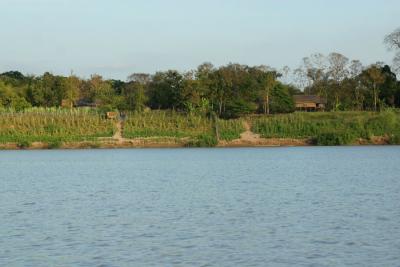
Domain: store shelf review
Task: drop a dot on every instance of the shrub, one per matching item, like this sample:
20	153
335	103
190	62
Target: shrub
204	140
238	108
54	144
23	144
336	138
394	139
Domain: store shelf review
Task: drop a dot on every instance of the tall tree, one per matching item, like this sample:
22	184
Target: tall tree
375	77
269	81
72	89
393	42
355	69
337	71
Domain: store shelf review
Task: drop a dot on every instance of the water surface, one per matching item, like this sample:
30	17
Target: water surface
317	206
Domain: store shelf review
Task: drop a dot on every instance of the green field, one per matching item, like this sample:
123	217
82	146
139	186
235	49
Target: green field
199	129
329	128
165	124
53	125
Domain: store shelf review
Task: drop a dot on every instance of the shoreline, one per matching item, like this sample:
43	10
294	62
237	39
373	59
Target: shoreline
182	143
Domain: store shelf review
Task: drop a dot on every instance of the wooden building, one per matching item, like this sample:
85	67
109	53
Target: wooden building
309	103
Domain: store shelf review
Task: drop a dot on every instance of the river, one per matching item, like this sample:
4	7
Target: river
302	206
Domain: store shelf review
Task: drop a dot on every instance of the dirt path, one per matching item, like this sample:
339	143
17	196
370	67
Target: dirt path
118	134
248	135
251	139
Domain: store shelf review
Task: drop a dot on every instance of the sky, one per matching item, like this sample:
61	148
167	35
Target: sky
115	38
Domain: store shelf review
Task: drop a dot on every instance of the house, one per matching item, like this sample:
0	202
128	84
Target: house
309	103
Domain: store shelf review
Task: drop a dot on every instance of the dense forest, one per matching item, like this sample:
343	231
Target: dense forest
230	91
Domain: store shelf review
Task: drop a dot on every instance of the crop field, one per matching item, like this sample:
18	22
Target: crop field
53	125
344	127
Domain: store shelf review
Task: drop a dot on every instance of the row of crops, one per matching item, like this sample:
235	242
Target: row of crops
51	124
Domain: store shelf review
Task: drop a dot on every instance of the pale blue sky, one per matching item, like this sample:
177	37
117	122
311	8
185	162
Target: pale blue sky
117	37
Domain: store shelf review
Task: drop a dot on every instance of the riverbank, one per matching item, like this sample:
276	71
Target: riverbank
181	143
88	128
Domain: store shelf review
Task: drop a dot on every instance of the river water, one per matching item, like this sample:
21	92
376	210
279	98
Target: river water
313	206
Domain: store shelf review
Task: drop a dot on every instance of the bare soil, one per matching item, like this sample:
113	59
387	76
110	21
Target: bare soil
250	139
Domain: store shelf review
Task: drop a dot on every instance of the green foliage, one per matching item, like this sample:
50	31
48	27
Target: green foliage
238	108
281	100
178	125
24	144
394	139
203	140
135	97
335	138
324	126
53	125
231	91
165	124
230	129
54	144
10	99
166	90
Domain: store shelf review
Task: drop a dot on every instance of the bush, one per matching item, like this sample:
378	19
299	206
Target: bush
23	144
394	139
334	138
54	144
204	140
238	108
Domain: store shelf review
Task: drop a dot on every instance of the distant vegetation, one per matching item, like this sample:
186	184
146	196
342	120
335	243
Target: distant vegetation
197	104
230	91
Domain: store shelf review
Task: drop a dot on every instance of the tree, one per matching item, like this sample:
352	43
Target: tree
392	40
101	92
141	78
72	89
355	69
165	90
135	97
337	71
389	88
374	76
46	90
9	99
269	81
16	75
281	100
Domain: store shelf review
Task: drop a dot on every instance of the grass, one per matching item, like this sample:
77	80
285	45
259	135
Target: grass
52	126
165	124
333	128
57	126
230	129
199	129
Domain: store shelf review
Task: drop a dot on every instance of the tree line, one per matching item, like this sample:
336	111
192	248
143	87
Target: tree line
230	91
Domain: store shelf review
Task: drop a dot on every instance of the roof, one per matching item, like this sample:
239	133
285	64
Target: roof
309	99
83	103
